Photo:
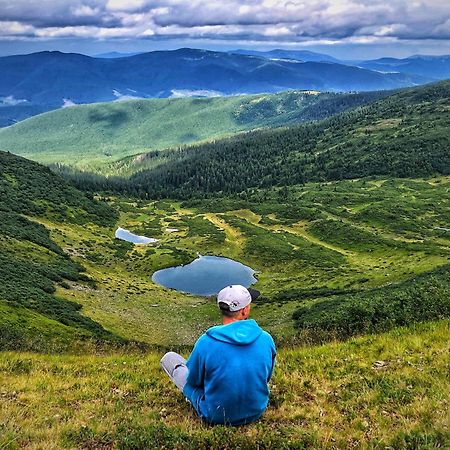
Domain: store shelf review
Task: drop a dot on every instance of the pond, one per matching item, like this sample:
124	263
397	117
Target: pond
206	275
126	235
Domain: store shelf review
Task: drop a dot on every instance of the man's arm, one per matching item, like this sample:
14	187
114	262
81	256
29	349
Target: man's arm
196	366
274	356
195	382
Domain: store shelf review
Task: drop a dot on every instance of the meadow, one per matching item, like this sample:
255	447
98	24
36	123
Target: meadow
379	239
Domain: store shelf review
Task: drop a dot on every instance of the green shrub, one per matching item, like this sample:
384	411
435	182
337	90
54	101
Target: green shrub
425	297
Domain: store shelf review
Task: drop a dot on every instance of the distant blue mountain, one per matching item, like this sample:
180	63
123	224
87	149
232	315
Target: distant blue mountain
436	67
50	80
297	55
116	55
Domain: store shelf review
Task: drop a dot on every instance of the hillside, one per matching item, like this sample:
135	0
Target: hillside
284	234
31	263
96	135
385	391
403	135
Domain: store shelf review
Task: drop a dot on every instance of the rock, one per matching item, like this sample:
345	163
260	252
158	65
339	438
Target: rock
379	364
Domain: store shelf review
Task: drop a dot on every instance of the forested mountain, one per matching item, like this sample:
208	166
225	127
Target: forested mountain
403	135
90	136
31	263
52	79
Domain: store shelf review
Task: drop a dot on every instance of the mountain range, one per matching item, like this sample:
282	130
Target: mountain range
428	66
437	67
50	80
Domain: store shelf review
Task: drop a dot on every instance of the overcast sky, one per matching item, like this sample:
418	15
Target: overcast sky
346	29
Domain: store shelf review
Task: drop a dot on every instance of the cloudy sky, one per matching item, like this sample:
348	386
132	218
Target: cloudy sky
346	29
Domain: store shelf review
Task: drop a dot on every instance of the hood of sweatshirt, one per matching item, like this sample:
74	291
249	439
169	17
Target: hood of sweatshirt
241	332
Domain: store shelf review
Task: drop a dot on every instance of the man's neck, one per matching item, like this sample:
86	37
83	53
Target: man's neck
228	320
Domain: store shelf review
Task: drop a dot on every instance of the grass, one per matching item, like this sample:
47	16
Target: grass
383	391
21	329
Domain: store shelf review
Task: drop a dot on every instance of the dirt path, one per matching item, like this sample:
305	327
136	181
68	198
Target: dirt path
299	230
232	236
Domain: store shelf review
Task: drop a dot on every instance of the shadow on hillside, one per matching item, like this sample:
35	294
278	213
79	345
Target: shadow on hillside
110	118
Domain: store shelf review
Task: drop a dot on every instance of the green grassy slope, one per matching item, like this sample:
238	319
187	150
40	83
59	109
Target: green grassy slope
386	391
406	134
31	262
90	136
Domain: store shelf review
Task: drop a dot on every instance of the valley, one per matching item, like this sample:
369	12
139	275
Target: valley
88	388
320	238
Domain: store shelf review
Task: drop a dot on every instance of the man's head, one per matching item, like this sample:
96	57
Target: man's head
234	302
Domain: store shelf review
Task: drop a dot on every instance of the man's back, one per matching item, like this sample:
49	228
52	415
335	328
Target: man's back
228	373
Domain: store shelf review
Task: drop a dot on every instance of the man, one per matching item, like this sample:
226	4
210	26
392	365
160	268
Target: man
226	375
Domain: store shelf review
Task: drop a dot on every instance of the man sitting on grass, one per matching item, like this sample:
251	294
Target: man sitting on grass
226	375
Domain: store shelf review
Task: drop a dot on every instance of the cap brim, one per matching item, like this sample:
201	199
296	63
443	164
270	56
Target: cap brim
254	293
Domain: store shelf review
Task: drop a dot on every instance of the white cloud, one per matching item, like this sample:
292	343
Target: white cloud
278	31
10	100
14	28
289	21
182	93
67	103
84	11
125	5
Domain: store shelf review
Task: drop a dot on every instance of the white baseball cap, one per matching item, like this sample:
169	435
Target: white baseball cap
237	296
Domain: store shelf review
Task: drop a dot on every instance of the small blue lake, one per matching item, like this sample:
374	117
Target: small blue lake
206	275
126	235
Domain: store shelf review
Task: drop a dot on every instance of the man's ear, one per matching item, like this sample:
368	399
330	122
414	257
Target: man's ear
245	311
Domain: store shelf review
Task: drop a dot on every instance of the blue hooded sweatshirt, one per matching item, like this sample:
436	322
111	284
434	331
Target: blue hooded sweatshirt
229	369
